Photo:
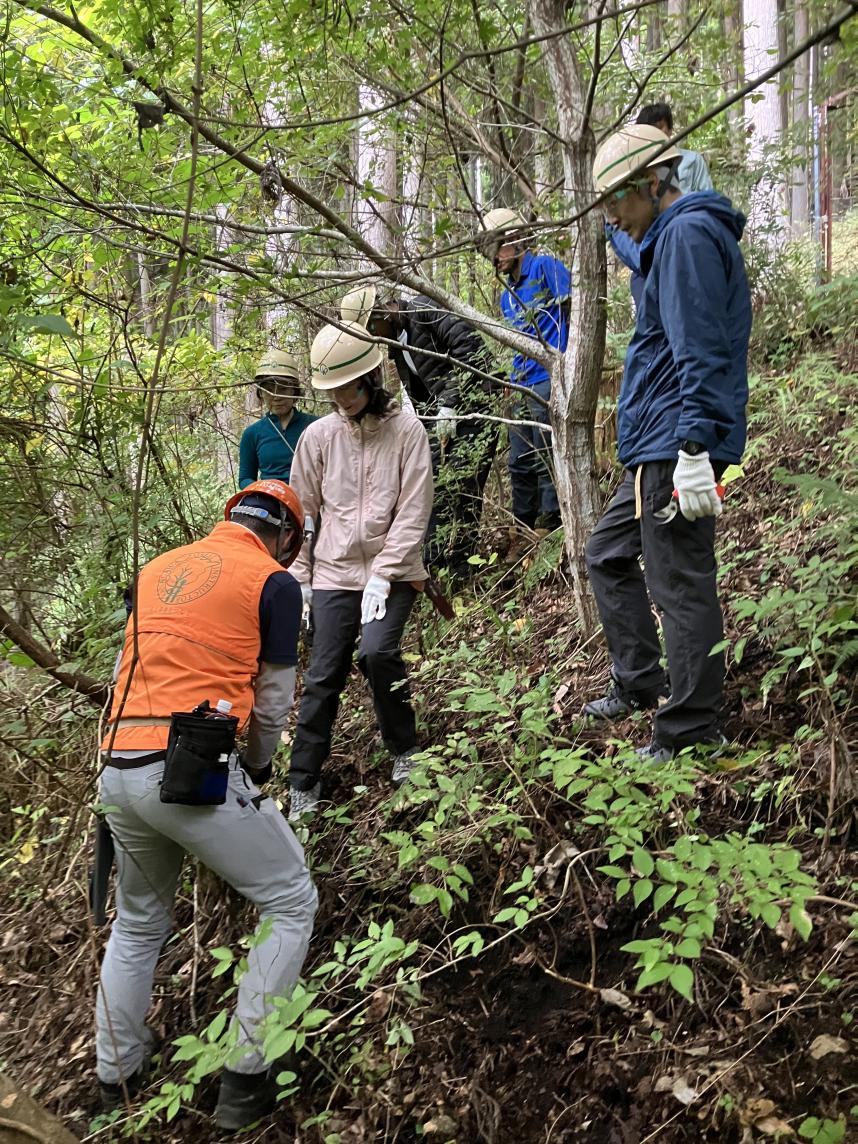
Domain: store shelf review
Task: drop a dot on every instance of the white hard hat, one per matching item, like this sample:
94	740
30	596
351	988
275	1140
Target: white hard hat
338	356
502	218
278	363
357	305
497	227
626	150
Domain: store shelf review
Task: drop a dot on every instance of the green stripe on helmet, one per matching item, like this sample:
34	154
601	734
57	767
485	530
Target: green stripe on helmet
324	370
649	145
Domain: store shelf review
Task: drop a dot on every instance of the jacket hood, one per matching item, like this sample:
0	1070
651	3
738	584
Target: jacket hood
710	202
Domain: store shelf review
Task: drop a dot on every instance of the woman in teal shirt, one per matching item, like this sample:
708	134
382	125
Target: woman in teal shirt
268	445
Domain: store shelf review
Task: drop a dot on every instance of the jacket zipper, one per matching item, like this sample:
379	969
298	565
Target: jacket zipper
361	484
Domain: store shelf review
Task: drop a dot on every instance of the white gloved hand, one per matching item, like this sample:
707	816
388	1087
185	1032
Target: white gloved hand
694	482
306	598
445	426
373	606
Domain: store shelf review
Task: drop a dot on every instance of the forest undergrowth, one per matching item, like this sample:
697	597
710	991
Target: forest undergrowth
541	939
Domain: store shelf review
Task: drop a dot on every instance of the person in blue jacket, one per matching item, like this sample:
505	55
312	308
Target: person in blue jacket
692	174
268	445
680	422
536	301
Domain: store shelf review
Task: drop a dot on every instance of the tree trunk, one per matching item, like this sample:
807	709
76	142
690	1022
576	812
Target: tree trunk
767	214
542	162
676	10
800	121
376	165
654	29
734	34
783	49
575	380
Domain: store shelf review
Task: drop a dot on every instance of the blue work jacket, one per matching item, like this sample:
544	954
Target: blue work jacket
693	175
686	372
533	304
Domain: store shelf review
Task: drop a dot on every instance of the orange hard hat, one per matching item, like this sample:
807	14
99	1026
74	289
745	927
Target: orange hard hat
284	495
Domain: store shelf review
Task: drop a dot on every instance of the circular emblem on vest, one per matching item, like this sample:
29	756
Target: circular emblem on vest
189	577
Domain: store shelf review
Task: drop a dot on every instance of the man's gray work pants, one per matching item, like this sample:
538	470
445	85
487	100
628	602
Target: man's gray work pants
679	574
252	848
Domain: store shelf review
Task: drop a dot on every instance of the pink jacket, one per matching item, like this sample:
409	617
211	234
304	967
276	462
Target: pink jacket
370	481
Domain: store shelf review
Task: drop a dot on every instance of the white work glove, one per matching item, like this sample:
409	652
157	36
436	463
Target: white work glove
306	598
694	482
373	606
445	426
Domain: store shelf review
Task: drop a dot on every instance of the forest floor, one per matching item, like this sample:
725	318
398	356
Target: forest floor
441	1021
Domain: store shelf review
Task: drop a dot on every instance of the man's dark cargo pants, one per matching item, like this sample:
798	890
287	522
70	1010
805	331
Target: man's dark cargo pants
679	574
336	627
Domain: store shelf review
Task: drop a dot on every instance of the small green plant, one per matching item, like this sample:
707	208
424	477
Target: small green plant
823	1131
695	876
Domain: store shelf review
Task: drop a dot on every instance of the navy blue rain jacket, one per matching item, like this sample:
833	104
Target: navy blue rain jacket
686	373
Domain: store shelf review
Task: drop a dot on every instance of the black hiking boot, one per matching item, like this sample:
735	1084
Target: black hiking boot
617	704
547	522
113	1095
244	1098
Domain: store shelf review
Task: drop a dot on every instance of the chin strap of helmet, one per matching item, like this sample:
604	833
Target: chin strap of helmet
663	187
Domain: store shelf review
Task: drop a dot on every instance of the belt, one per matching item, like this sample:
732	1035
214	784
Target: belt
141	721
132	764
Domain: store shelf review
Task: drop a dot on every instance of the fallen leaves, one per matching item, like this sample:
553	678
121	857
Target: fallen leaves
824	1044
678	1086
759	1113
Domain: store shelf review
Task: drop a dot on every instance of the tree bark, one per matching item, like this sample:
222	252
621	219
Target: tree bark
575	379
767	214
800	122
734	34
676	13
376	166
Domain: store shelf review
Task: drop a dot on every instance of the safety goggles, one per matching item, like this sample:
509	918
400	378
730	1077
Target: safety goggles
617	196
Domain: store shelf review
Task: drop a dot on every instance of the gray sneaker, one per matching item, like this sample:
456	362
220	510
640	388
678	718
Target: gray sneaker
303	802
710	748
610	708
403	765
618	704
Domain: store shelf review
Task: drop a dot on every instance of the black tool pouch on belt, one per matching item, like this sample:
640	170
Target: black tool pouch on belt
193	774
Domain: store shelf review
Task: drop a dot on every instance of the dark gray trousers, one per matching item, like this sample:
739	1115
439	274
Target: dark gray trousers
460	473
336	627
531	461
679	575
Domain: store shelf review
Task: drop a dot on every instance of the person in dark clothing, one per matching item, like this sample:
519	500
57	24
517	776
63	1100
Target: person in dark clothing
441	383
680	422
268	445
692	175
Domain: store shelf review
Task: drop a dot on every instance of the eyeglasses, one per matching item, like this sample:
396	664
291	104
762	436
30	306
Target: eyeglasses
279	386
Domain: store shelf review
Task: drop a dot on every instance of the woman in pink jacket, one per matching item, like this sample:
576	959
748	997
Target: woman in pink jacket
364	473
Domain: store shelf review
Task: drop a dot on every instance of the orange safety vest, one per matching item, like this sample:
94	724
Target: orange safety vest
197	636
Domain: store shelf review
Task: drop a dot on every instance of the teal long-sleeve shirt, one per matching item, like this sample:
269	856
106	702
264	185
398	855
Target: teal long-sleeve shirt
264	454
